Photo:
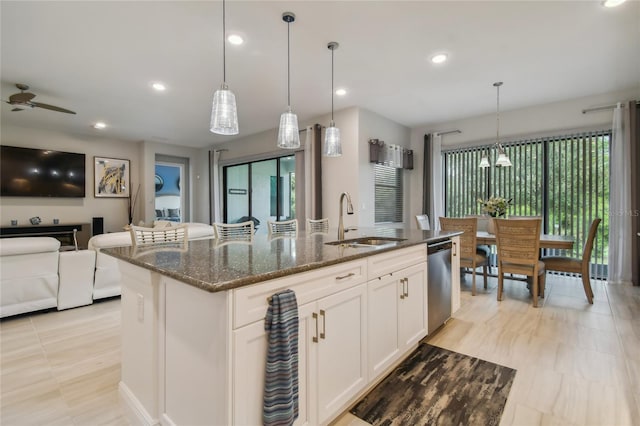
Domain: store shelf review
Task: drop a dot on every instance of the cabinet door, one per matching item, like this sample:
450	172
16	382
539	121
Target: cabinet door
342	347
250	349
455	274
383	299
412	311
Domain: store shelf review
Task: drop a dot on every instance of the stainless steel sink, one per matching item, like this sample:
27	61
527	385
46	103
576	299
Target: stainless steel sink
367	242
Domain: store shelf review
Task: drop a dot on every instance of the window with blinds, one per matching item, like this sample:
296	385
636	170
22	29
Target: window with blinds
388	194
563	179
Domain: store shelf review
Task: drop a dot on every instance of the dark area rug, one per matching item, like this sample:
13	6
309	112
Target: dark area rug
435	386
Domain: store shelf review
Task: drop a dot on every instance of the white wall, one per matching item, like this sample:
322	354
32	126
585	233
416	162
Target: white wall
71	210
550	119
113	210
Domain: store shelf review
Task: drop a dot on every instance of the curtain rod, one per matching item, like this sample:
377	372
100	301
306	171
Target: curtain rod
447	132
604	107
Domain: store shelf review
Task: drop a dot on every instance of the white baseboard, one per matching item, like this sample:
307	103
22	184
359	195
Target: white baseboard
136	411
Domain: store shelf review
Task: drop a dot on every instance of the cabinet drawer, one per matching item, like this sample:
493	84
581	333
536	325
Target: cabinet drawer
250	303
395	260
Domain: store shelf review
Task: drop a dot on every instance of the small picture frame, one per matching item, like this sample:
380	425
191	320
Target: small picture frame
111	178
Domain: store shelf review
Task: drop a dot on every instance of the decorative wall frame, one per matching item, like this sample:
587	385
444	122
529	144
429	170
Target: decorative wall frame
111	178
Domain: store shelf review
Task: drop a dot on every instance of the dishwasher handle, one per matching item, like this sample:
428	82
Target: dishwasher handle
439	246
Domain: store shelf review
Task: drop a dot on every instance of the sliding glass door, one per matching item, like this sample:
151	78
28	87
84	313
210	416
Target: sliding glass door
260	191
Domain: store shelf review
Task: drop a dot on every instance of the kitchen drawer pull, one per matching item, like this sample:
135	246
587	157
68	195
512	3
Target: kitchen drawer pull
455	249
315	317
324	324
402	290
350	274
406	283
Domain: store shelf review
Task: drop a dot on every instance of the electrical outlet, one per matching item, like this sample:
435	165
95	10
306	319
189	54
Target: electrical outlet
140	307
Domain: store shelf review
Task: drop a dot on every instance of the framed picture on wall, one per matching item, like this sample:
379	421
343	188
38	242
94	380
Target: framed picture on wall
111	178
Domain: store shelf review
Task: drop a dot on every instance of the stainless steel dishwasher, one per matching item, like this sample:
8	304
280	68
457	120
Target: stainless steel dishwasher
438	284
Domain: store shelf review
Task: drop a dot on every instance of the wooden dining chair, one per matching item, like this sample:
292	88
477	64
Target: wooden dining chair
577	266
287	228
234	231
518	253
469	257
318	225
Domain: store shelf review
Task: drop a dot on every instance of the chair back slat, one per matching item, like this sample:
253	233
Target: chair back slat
141	236
283	227
234	231
318	225
518	240
467	225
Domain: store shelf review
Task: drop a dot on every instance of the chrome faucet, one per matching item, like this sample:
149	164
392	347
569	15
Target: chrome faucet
349	211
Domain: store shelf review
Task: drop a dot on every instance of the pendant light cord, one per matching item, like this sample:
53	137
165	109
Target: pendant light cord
332	85
498	116
224	45
288	67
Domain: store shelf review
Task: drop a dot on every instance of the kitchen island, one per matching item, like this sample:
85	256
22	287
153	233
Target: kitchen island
194	345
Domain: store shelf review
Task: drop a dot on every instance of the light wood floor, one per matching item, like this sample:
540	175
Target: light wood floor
577	363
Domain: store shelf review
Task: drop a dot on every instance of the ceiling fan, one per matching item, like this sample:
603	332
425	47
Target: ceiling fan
21	101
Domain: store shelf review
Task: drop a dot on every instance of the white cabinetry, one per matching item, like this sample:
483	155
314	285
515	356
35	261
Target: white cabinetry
455	274
331	344
397	307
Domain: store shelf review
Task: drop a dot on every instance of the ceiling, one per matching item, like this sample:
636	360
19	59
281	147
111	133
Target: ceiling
100	58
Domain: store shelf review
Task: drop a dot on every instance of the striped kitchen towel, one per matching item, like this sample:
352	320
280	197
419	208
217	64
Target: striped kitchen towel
281	379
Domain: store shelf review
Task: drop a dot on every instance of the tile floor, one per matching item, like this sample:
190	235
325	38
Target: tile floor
578	364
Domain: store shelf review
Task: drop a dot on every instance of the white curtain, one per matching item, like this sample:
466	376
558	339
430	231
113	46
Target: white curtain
437	190
216	201
620	200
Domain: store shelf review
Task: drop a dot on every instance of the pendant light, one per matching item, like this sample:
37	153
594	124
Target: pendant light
288	136
224	115
332	145
503	159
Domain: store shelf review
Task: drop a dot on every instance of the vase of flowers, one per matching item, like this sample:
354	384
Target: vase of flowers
496	207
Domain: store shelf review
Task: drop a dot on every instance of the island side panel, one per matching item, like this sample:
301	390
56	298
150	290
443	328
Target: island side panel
197	332
140	366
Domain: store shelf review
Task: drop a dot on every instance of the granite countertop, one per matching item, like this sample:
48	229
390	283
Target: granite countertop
214	266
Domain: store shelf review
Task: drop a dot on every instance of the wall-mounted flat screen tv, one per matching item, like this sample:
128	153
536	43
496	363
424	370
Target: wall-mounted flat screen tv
28	172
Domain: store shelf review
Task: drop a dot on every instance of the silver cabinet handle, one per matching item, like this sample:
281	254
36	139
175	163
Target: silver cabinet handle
315	317
454	252
402	290
406	283
324	324
350	274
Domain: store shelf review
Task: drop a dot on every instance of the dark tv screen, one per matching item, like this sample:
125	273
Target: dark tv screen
28	172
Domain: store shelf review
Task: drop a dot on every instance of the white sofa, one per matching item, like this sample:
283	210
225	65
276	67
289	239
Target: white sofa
28	274
35	275
107	276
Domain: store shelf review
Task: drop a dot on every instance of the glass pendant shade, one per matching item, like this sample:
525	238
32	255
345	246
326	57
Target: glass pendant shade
484	162
288	136
503	160
224	115
332	146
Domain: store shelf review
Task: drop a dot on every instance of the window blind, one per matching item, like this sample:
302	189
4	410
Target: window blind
388	194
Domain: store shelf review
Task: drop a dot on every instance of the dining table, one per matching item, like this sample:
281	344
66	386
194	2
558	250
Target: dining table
561	242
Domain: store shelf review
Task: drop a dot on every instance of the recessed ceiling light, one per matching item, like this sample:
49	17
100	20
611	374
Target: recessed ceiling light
99	125
235	39
341	92
439	58
160	87
612	3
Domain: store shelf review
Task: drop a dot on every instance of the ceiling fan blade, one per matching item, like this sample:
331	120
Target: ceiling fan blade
17	109
51	107
21	98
